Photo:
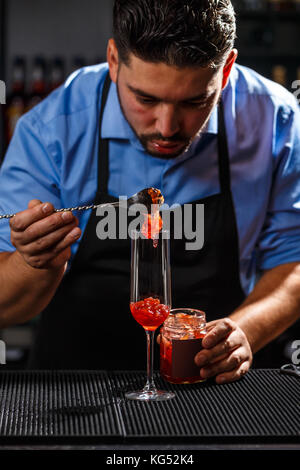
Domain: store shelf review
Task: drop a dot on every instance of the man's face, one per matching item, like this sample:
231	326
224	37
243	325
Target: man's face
165	106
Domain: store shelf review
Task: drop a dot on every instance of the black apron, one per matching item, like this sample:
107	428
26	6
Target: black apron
88	324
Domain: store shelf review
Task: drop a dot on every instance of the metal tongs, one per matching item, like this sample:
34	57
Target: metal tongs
290	369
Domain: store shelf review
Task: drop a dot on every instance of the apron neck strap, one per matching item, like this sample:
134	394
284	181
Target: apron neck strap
103	169
223	153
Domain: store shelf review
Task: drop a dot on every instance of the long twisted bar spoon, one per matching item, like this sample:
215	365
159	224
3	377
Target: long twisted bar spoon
146	197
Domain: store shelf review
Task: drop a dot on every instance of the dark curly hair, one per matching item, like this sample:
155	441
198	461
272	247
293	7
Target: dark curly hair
181	33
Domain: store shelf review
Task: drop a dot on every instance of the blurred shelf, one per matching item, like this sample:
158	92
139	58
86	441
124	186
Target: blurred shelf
268	56
274	16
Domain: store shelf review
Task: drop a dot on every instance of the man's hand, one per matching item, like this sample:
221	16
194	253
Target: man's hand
226	352
42	236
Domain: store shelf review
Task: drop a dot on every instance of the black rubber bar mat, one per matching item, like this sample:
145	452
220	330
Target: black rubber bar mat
62	406
263	407
89	407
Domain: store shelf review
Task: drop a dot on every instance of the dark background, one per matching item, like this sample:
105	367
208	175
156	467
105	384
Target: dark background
268	36
268	41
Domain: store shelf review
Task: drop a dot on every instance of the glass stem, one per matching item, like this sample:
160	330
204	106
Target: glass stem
150	383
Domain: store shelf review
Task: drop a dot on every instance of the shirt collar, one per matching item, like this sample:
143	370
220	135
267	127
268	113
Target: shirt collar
115	126
212	124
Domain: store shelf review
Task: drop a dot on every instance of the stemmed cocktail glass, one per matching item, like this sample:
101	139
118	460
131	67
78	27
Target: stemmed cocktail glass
150	298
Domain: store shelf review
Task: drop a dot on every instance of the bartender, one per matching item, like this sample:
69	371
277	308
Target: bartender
170	110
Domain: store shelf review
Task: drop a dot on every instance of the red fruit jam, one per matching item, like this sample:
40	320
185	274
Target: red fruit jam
156	196
149	313
152	225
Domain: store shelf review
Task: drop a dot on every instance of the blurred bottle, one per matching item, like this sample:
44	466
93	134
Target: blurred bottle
279	74
77	63
99	60
238	5
261	36
57	73
15	105
297	5
38	87
254	5
282	5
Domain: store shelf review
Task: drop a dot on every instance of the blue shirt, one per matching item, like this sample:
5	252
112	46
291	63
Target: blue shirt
54	150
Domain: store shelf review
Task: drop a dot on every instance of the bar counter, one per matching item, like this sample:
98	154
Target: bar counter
87	409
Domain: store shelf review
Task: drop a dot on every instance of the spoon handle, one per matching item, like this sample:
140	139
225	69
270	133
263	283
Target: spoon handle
66	209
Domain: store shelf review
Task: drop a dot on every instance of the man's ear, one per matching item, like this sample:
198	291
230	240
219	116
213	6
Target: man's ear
228	66
112	59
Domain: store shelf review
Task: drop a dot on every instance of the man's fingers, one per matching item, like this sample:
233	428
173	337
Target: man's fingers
47	226
33	203
61	259
42	260
230	363
236	374
42	236
211	324
226	352
51	239
221	329
224	347
22	220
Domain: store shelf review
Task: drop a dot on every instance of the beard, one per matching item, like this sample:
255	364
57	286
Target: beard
183	141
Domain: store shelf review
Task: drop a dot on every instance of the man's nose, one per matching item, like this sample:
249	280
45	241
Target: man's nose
167	123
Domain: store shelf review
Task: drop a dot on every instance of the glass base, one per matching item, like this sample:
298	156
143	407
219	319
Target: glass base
149	395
